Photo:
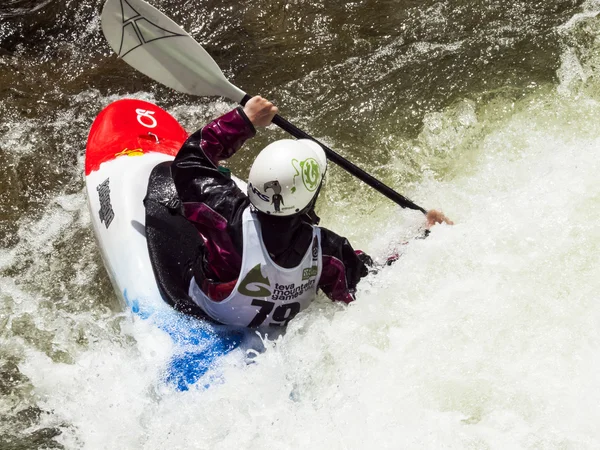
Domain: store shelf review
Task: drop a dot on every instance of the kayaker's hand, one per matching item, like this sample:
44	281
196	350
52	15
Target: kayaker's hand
434	217
260	111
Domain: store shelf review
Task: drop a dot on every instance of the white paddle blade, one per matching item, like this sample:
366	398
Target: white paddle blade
153	44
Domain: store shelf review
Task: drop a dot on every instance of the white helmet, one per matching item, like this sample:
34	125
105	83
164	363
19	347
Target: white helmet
286	176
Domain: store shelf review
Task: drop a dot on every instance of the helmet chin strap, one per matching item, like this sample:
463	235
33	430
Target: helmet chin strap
309	215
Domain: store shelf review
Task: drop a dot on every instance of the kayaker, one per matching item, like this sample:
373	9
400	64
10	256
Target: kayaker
264	257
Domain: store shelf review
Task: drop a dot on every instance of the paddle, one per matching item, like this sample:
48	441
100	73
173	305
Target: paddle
153	44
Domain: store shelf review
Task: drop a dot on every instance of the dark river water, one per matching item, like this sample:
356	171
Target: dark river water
413	91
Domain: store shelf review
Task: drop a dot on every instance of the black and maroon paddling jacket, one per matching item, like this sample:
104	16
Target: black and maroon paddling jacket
214	204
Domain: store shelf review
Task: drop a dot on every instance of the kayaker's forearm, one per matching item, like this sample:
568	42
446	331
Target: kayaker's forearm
224	136
343	267
218	140
196	163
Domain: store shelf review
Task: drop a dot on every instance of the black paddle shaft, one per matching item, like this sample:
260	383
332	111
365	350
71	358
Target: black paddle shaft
345	164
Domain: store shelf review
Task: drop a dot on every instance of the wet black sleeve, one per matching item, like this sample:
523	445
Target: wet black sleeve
200	184
343	267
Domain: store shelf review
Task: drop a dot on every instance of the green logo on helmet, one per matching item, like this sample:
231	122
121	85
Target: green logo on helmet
310	171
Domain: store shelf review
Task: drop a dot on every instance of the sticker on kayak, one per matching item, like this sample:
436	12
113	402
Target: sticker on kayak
106	212
133	128
146	118
128	152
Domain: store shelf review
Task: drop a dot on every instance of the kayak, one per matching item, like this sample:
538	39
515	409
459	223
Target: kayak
129	141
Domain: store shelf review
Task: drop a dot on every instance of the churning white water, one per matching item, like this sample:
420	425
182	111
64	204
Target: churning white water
485	335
